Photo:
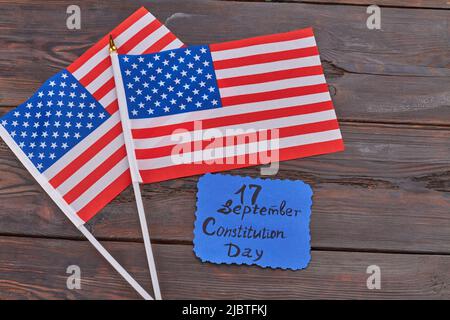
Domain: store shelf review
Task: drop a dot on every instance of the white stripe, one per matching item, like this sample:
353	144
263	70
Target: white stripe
230	151
81	146
91	165
119	40
229	111
263	48
276	123
100	185
272	85
104	77
175	44
108	98
149	40
267	67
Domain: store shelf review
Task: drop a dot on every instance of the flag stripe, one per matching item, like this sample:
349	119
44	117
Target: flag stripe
161	43
272	86
262	50
100	184
252	147
265	58
257	125
275	38
105	196
95	174
268	67
140	36
237	119
235	110
90	165
272	95
270	76
184	170
167	150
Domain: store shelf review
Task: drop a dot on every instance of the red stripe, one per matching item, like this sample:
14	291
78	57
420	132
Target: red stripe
104	89
113	107
104	41
184	170
233	119
95	175
270	76
292	35
238	139
104	197
265	58
273	95
90	152
161	43
138	37
96	71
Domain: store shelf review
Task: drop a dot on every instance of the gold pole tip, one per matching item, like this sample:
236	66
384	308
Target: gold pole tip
112	46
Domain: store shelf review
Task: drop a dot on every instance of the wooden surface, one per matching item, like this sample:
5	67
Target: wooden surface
384	201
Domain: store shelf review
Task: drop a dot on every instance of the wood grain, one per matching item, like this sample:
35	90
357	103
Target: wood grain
391	185
397	74
437	4
36	269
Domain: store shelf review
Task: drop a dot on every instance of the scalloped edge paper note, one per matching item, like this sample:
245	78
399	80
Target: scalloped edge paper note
253	221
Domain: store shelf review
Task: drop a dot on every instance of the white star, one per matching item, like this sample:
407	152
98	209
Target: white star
166	109
126	59
196	57
64	75
39	166
52	156
172	54
64	145
198	104
77	135
166	62
203	50
187	52
182	106
150	111
214	102
134	112
156	57
141	59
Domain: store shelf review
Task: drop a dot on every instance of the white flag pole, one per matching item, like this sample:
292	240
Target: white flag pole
135	175
114	263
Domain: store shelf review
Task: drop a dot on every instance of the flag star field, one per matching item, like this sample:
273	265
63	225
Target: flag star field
170	82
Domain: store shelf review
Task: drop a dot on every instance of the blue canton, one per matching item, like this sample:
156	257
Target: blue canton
57	117
169	82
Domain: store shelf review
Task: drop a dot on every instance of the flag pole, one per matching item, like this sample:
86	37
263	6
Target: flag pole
136	286
135	175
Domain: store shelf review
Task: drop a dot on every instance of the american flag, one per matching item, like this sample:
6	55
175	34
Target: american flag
263	83
69	134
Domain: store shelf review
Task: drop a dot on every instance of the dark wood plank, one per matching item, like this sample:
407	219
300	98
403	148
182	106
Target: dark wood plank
397	74
437	4
36	269
389	190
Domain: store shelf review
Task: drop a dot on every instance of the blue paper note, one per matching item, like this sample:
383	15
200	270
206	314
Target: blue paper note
246	220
